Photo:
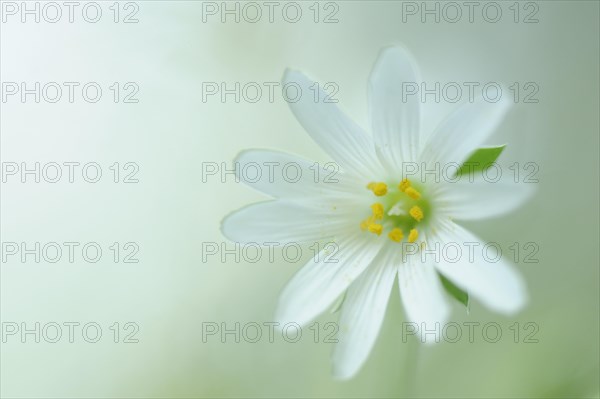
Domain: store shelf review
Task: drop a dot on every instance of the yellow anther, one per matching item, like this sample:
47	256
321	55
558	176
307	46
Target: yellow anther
413	235
375	228
377	211
364	225
379	189
412	193
416	213
396	235
404	184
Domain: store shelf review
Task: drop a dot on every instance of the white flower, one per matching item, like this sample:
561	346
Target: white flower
370	224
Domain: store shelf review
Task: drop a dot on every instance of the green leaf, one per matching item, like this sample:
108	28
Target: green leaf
460	295
480	160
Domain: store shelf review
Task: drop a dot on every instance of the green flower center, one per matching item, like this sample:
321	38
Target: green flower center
399	211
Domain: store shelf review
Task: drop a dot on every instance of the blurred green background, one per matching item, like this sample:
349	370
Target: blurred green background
171	212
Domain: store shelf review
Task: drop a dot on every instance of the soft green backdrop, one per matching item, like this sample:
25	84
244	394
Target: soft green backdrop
170	132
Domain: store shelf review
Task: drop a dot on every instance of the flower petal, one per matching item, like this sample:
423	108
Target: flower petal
422	295
362	315
465	200
395	116
284	175
480	199
282	222
320	282
330	128
465	130
497	285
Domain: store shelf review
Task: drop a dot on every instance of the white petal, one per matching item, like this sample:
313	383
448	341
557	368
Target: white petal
362	315
279	174
331	129
422	296
497	285
282	222
465	130
395	116
480	199
319	283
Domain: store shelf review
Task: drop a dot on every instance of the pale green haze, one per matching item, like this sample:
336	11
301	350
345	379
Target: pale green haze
164	125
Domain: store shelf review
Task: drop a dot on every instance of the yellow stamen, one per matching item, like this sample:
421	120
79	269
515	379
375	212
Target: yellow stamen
416	213
364	225
404	184
413	235
375	228
396	235
379	189
412	193
377	211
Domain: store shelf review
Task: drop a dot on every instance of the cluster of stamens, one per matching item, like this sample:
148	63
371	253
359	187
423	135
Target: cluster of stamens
397	218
